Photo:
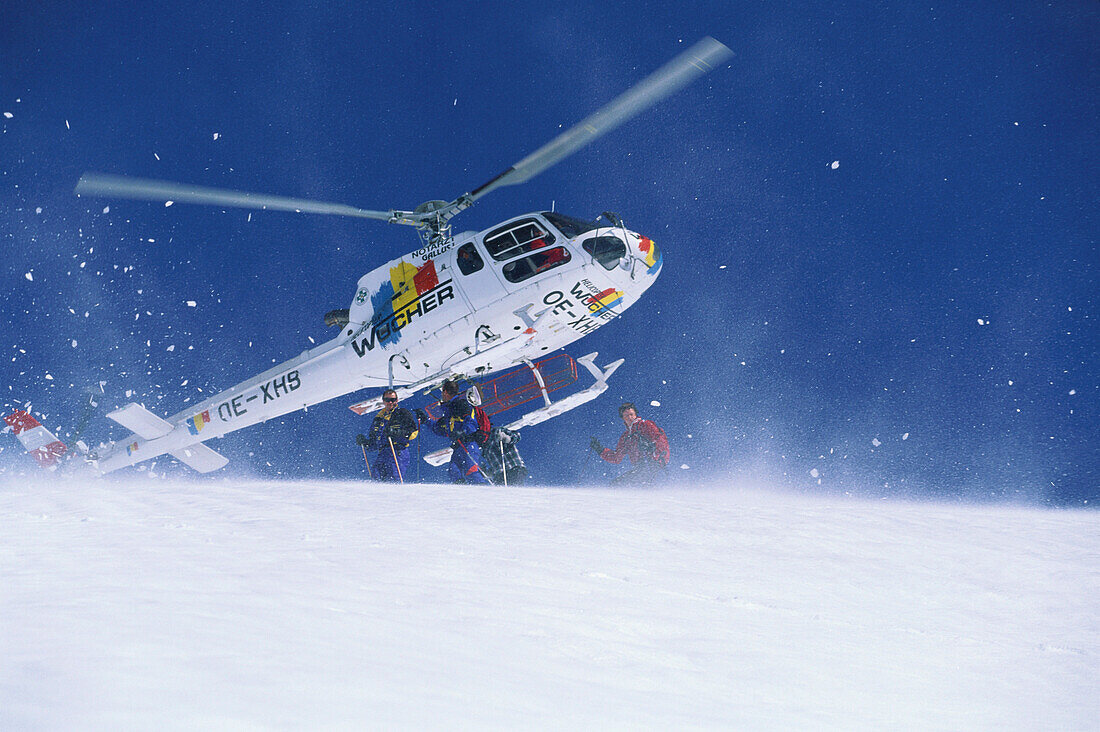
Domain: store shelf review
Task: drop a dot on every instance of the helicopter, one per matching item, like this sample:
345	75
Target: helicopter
463	305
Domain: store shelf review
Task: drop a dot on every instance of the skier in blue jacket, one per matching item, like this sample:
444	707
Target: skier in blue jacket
458	423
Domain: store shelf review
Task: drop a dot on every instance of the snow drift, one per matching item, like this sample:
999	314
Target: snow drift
172	604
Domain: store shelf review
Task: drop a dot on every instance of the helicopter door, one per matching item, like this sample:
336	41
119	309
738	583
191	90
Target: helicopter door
476	281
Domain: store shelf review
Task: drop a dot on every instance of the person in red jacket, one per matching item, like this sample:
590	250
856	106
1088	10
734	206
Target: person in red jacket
643	442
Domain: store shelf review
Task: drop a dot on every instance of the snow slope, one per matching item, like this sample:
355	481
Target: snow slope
169	604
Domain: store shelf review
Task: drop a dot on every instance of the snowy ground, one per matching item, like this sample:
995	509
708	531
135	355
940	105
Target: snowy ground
213	604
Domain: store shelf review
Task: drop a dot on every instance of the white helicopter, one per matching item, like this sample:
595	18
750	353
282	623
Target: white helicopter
461	306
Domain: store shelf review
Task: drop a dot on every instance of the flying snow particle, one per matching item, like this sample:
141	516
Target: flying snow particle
689	437
74	343
835	164
191	303
172	347
156	156
49	377
38	209
1072	392
29	276
67	125
905	436
721	266
982	321
684	466
217	135
814	473
9	115
166	205
875	442
106	209
654	403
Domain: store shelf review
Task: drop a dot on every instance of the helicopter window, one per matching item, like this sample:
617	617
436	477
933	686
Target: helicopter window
569	225
469	261
521	269
517	238
607	250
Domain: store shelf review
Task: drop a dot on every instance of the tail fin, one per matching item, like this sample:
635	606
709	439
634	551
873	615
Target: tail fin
46	449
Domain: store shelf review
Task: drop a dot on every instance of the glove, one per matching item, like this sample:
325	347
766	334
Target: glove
361	440
421	415
596	445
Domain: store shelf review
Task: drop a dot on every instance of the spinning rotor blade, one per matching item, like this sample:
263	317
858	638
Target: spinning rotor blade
157	190
670	78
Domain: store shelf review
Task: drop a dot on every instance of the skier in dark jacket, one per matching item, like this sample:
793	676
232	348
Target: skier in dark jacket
643	442
390	433
458	423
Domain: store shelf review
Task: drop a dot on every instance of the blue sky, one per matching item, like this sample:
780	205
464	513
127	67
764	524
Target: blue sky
878	222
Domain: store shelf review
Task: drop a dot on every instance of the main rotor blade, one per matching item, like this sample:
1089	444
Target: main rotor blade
144	189
670	78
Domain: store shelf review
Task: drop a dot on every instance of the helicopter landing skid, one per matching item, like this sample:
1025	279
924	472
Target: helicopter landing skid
552	409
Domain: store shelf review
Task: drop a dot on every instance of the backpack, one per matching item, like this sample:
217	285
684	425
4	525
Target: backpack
484	426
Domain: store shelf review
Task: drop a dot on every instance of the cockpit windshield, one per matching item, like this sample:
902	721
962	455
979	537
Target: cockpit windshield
569	225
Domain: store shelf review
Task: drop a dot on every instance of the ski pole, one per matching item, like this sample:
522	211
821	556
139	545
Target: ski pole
394	453
366	461
487	478
587	460
503	466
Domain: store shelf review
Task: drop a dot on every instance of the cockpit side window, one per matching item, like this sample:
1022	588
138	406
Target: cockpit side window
522	269
607	250
569	225
517	238
469	261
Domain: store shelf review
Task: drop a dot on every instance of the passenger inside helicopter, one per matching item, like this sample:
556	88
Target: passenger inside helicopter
529	266
469	261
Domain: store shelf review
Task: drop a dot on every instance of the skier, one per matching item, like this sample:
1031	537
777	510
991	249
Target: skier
501	460
643	442
458	423
391	432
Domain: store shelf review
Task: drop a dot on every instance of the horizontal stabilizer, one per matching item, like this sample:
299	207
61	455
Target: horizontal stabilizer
37	440
141	421
200	457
